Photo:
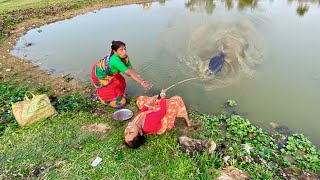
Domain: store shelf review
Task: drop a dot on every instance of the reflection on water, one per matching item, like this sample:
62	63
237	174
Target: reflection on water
209	5
242	4
302	9
303	5
148	4
193	5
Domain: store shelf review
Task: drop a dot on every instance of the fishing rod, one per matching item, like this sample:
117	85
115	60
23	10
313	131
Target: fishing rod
181	82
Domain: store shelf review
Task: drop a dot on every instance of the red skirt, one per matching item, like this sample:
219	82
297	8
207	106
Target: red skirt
112	94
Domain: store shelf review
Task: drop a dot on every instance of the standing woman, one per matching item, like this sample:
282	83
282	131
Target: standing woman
107	79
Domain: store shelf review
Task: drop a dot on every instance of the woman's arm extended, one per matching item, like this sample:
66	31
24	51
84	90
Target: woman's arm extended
158	115
137	78
188	120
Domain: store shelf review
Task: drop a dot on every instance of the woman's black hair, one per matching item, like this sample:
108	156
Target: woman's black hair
115	45
136	141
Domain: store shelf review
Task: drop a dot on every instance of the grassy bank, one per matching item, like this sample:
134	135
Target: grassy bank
64	146
61	148
26	4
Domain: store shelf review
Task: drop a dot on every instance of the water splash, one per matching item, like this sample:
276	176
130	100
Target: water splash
237	39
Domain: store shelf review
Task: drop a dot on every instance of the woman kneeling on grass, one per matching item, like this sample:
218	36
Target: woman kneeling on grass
107	79
155	117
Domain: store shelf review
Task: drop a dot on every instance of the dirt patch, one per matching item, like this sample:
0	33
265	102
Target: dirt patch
295	173
184	130
195	146
233	173
97	127
27	74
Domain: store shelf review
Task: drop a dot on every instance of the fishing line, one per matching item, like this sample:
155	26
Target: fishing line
181	82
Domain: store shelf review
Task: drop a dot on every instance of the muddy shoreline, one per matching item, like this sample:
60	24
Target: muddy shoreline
25	73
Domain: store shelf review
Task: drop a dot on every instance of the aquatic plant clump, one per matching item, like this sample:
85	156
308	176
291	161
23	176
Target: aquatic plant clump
247	147
303	152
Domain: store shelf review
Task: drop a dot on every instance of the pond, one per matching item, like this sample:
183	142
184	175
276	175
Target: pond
271	68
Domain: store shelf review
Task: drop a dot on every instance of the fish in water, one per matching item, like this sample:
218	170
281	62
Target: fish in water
216	63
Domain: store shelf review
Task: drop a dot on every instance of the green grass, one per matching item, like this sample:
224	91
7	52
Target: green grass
51	147
51	144
6	5
9	5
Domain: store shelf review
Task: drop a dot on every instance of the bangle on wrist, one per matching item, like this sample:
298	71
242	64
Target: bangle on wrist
143	82
164	94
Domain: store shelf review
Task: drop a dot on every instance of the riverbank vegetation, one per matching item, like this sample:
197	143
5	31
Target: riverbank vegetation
64	146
